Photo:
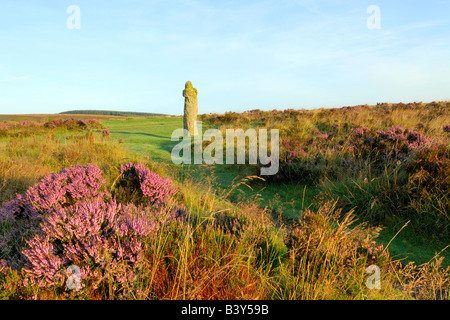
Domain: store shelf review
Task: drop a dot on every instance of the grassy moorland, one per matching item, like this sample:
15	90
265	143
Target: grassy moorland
389	163
105	198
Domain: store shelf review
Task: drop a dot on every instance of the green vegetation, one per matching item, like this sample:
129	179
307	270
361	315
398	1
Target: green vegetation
236	236
149	136
114	113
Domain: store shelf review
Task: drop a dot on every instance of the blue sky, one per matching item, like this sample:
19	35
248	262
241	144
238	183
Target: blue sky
136	55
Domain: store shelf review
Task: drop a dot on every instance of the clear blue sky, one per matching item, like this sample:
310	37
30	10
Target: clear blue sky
136	55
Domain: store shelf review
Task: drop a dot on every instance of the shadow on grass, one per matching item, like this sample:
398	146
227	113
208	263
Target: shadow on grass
141	133
10	187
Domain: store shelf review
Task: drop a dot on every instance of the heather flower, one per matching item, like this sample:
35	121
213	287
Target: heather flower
295	154
374	253
416	140
73	222
69	122
18	208
45	266
54	191
121	140
395	143
26	123
66	187
105	132
360	131
138	181
393	134
104	239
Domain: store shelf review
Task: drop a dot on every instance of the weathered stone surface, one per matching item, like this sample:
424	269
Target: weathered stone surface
190	108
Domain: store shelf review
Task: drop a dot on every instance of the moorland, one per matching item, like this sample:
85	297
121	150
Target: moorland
357	187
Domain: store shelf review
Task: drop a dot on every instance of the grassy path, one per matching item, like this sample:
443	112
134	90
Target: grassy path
147	136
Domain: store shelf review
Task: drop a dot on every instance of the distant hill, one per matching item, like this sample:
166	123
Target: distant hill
114	113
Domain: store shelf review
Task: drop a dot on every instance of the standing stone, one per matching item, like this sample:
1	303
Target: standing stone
190	108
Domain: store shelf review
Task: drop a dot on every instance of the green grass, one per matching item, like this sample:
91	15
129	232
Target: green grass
147	136
150	137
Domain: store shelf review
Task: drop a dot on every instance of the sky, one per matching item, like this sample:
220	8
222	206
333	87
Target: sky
136	55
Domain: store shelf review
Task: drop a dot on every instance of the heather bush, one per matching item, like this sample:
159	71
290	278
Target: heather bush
138	184
416	190
105	133
65	188
104	239
21	216
68	218
13	236
393	144
33	128
73	124
18	208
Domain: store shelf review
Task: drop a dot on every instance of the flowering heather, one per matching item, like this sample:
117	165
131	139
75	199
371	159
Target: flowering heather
26	123
292	148
138	180
395	142
71	219
66	187
72	124
105	132
18	208
69	122
104	239
360	132
374	253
